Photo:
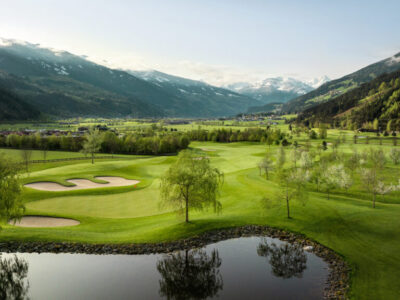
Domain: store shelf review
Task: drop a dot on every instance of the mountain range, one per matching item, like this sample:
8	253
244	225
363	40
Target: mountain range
61	84
37	82
276	89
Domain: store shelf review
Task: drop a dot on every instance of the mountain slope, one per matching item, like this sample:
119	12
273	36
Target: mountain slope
62	84
13	108
197	95
337	87
273	90
378	99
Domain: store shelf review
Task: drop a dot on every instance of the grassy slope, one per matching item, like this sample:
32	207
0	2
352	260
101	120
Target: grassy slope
367	238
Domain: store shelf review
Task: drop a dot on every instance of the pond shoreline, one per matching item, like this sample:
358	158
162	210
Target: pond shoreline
337	284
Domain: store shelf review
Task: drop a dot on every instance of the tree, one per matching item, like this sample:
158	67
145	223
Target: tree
110	142
11	205
26	155
323	133
191	182
372	177
324	145
389	126
313	135
190	275
335	176
44	147
395	155
383	189
92	143
280	158
295	155
375	124
306	160
370	181
266	165
353	162
292	182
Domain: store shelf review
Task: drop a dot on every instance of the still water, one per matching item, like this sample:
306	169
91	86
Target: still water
242	268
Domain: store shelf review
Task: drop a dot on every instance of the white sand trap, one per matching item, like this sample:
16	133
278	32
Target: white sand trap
81	184
38	221
208	150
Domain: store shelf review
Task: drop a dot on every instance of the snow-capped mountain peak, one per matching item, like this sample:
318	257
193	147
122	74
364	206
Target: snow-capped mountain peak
276	89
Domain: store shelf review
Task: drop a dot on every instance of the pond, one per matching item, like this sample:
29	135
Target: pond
249	267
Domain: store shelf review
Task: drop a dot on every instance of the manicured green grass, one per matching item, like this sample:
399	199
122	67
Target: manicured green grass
367	238
38	155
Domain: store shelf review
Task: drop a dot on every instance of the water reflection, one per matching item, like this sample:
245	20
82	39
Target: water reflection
190	275
13	278
286	260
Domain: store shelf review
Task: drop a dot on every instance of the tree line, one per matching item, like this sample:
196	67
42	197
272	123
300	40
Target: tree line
222	135
109	142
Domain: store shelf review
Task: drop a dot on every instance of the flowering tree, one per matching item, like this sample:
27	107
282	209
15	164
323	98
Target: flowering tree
335	176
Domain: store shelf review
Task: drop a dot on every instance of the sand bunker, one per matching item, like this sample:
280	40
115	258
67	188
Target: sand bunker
81	184
208	150
38	221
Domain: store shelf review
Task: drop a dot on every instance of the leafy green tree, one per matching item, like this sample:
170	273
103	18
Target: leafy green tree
110	142
92	143
323	132
375	124
11	205
191	182
313	135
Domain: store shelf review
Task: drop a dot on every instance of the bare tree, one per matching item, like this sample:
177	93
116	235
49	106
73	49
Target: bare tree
292	182
26	155
266	165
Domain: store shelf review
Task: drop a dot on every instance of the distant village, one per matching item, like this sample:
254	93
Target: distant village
82	130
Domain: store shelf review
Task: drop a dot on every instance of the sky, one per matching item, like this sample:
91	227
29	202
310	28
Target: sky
217	41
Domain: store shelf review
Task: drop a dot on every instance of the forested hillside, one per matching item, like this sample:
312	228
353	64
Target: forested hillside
373	105
13	108
335	88
61	84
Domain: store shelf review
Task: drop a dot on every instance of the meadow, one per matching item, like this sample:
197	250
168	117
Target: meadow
367	238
